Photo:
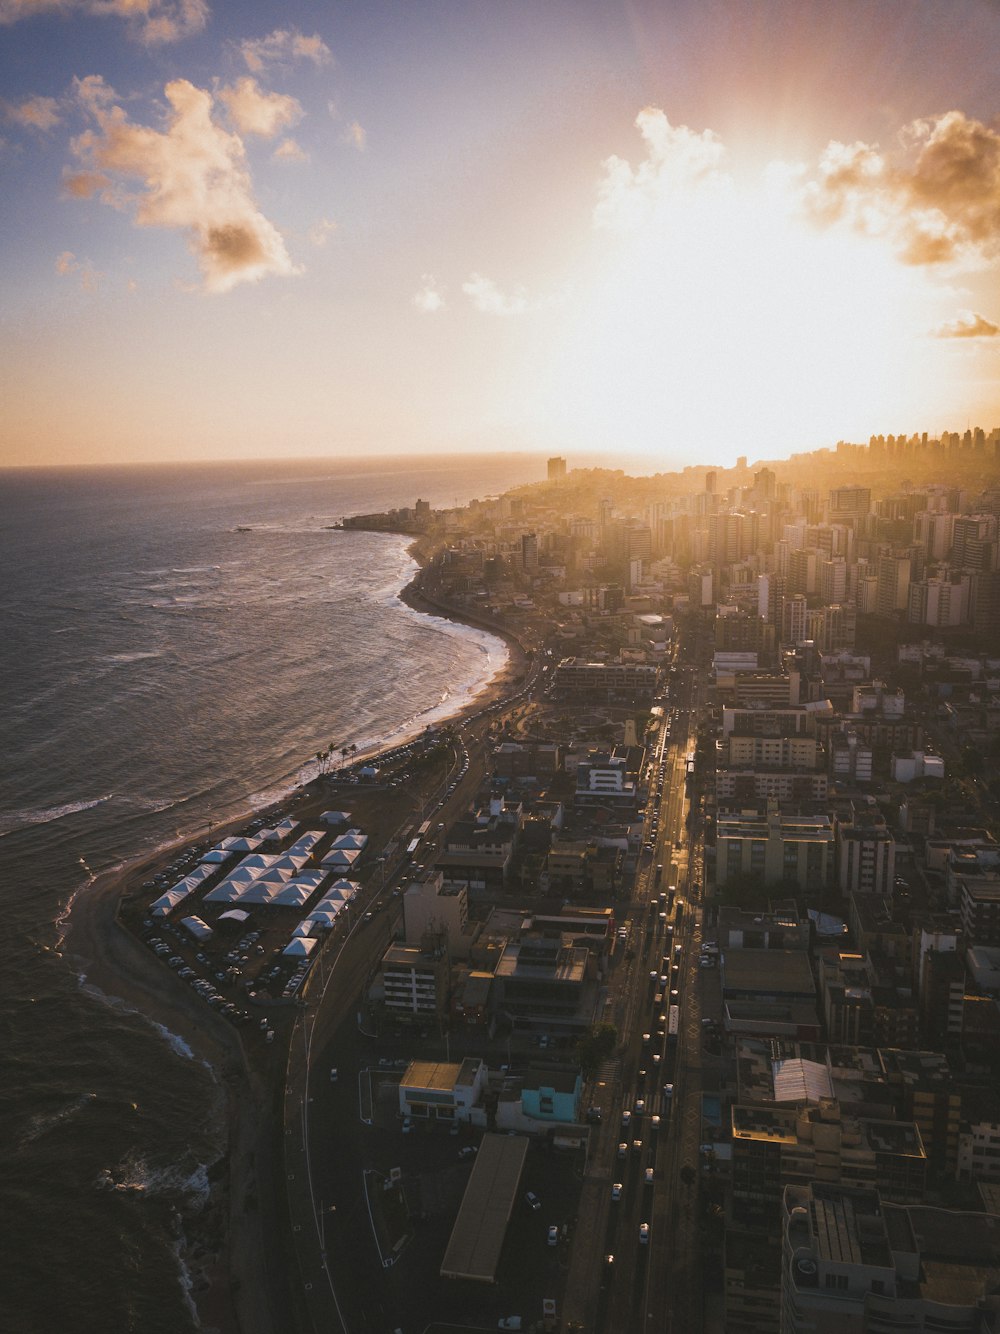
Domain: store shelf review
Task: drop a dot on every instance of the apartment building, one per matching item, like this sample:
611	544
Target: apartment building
854	1263
775	846
414	982
866	853
774	1147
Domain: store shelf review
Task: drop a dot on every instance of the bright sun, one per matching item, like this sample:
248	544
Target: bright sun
724	320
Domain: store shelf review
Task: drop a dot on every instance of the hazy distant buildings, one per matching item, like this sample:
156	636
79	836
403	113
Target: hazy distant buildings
849	503
556	469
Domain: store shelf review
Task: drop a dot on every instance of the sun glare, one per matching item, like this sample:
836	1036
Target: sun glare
725	320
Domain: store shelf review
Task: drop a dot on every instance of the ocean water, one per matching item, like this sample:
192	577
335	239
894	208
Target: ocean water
162	668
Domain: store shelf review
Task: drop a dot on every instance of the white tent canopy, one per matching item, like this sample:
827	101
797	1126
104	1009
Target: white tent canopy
241	843
299	948
294	895
354	838
305	843
197	928
179	892
217	856
323	918
341	858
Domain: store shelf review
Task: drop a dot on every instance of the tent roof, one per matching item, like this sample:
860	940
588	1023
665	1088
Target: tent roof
199	929
299	948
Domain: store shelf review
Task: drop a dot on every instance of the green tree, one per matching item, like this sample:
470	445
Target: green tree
596	1047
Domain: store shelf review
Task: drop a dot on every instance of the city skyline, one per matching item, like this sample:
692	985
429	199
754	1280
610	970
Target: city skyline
635	230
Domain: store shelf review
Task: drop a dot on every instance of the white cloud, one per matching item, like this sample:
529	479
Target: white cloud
253	111
34	113
283	46
289	150
152	22
429	298
940	204
486	296
967	324
320	232
356	136
193	178
68	264
678	160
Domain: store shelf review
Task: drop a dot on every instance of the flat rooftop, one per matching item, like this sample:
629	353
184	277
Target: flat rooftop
440	1075
481	1225
769	973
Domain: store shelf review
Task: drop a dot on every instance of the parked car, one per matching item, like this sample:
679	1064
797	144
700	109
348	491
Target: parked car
553	1235
532	1200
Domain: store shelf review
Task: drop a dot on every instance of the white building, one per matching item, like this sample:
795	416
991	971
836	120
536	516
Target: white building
918	764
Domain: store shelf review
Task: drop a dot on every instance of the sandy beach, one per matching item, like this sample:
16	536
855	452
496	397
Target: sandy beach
234	1253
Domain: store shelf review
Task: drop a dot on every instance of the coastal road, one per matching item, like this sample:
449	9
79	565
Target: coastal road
334	988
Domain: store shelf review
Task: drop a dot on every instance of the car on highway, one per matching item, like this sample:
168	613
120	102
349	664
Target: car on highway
643	1234
616	1190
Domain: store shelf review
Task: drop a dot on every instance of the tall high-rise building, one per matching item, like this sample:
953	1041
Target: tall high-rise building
556	469
893	593
972	535
765	483
832	579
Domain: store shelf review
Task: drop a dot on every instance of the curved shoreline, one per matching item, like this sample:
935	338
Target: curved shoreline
237	1285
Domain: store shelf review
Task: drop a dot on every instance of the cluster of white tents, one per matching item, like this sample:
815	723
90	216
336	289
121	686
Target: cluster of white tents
275	879
322	918
345	850
176	894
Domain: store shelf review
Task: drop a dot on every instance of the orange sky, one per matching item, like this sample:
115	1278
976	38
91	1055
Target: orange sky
679	231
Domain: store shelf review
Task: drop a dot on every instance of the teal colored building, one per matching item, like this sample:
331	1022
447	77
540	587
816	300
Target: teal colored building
552	1095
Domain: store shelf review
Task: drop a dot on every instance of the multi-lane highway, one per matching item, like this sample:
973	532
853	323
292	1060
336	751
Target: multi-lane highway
635	1261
